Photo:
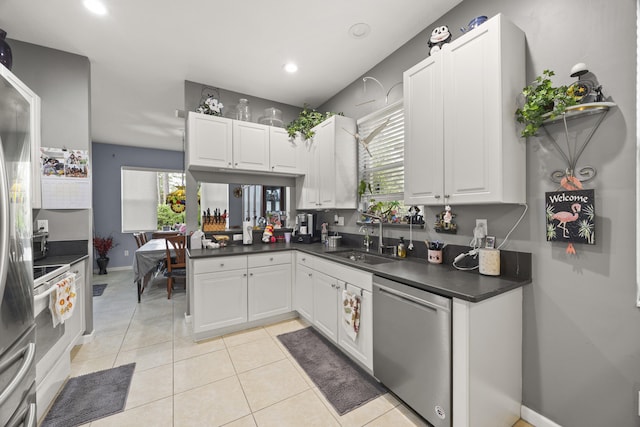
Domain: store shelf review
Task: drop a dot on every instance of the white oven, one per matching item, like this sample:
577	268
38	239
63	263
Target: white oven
52	342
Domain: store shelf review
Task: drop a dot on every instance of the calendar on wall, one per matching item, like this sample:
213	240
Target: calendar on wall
65	178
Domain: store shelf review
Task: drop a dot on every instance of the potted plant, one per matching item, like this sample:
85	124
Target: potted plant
308	119
103	245
542	101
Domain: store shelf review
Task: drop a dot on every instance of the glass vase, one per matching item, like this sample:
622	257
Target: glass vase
6	57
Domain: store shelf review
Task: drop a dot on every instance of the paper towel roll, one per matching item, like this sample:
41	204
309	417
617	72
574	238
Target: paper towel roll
247	233
489	262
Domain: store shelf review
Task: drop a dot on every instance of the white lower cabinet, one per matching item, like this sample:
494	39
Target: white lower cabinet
220	300
231	292
303	295
269	291
362	346
325	304
326	301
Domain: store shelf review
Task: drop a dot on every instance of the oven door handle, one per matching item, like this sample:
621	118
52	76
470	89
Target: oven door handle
28	353
45	293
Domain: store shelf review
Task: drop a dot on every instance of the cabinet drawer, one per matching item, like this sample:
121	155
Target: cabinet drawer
305	259
274	258
214	265
350	275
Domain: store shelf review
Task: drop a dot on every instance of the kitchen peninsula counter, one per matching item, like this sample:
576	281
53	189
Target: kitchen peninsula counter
441	279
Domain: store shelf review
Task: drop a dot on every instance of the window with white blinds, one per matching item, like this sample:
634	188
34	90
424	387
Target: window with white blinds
382	166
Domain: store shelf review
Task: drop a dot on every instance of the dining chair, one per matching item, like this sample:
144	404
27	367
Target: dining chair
138	237
176	262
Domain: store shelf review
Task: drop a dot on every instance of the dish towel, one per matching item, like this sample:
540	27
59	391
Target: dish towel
351	313
63	300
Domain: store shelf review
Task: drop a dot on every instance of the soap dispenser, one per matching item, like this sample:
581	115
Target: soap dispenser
402	249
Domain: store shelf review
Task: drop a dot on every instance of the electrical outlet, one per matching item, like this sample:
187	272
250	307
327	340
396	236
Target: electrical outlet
126	252
43	225
482	224
237	237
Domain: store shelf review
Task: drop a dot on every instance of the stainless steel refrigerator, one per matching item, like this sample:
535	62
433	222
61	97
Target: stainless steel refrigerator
17	327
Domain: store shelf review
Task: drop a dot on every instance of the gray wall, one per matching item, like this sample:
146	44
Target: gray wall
581	326
108	160
62	80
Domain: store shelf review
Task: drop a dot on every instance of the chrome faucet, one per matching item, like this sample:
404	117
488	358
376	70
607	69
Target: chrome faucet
367	238
380	244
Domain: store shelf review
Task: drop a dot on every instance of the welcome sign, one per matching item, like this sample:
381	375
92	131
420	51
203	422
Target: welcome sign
571	216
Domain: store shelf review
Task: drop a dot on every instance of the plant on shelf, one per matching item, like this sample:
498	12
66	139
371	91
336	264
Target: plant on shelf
542	101
307	119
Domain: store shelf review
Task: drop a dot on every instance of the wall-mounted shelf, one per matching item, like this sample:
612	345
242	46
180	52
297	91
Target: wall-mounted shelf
575	150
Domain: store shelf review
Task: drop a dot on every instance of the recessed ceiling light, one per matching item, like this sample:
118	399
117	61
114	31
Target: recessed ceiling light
95	6
290	67
359	30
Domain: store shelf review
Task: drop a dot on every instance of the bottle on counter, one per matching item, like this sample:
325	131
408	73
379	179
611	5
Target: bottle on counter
324	234
402	249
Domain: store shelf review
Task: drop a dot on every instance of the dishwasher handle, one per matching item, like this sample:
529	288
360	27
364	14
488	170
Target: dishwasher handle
410	298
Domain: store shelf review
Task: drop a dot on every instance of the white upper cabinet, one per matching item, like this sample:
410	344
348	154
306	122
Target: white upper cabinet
461	141
209	141
331	177
286	154
222	144
250	146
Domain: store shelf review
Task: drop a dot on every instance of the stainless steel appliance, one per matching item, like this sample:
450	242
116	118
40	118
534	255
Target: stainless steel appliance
17	332
412	347
306	225
52	339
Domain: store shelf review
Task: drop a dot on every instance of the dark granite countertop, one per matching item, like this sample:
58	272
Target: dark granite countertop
437	278
60	259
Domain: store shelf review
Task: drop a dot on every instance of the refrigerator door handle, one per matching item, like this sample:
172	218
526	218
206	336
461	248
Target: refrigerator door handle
28	353
4	222
26	417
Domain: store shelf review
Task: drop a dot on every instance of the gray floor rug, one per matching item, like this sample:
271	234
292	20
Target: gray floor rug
98	289
90	397
342	381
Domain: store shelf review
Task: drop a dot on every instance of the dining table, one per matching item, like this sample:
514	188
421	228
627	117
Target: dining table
147	260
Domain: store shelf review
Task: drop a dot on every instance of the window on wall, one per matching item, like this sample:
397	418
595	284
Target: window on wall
151	199
381	162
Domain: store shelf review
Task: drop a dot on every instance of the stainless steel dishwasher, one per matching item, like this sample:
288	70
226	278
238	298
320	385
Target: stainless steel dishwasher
412	347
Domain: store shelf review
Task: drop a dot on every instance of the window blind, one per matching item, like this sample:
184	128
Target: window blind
139	200
383	169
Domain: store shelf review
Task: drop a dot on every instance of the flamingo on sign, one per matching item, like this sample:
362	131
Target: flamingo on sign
565	217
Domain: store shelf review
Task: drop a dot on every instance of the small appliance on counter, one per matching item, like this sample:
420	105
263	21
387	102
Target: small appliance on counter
307	228
39	245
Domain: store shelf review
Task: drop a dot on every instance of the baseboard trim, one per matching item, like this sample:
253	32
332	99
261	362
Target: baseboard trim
532	417
87	338
122	268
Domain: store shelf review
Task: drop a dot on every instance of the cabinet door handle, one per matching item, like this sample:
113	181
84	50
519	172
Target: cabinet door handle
303	259
251	274
437	196
338	287
222	264
236	164
244	275
333	285
446	196
229	164
271	259
310	275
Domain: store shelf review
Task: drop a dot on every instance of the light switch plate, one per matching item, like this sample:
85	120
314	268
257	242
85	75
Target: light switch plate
340	220
42	225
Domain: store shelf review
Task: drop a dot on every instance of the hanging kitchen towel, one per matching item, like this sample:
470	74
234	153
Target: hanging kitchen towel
351	313
63	300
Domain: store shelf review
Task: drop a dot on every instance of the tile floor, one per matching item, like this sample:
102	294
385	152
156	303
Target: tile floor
242	379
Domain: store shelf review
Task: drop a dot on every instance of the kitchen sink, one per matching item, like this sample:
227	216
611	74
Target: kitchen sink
363	257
